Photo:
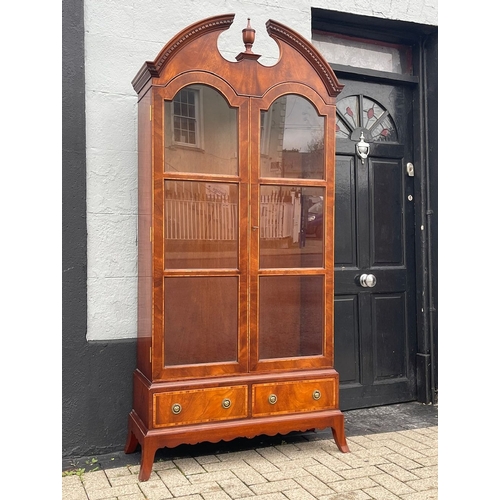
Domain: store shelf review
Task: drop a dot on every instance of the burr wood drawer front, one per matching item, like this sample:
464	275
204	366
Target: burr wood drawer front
199	405
292	397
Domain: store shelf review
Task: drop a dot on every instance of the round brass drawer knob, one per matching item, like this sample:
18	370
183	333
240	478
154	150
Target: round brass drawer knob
226	403
273	398
176	408
316	395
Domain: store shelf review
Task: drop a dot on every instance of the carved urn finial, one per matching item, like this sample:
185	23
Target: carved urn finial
248	37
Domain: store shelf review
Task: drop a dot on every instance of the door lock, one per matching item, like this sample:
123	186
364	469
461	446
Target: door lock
367	280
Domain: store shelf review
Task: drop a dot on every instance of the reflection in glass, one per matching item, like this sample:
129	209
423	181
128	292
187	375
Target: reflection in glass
201	132
291	316
201	225
201	319
292	139
291	227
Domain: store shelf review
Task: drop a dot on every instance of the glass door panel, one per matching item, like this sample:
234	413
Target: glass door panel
291	319
291	227
204	273
292	278
201	319
292	139
201	225
201	132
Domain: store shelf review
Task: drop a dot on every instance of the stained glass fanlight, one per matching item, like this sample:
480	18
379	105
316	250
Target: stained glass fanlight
358	111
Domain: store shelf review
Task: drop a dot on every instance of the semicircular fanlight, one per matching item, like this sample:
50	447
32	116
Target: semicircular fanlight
358	111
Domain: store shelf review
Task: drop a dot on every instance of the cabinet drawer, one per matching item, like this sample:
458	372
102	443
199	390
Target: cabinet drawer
292	397
199	405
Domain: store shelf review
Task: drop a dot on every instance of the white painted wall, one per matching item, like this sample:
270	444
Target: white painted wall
119	36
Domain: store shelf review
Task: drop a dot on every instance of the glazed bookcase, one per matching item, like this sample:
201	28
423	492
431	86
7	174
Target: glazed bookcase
235	291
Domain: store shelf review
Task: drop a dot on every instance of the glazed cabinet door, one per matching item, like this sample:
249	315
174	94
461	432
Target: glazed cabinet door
201	214
291	233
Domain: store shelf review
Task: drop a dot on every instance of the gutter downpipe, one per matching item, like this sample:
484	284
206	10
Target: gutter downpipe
428	215
426	355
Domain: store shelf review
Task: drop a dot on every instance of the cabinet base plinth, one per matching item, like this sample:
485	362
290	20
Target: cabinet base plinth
154	439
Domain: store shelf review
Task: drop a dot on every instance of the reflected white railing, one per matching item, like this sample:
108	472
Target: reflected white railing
213	218
216	218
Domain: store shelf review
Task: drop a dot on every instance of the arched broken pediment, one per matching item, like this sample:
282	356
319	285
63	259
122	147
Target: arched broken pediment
195	48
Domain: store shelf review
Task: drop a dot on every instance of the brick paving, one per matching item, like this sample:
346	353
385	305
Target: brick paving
383	466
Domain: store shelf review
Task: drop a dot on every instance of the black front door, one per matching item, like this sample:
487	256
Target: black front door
375	321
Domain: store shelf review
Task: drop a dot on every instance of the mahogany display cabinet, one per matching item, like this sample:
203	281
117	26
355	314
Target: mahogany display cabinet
236	166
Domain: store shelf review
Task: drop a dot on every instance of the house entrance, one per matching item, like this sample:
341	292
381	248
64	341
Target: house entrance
375	321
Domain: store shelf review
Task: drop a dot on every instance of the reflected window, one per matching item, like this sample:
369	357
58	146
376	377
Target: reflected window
201	132
185	117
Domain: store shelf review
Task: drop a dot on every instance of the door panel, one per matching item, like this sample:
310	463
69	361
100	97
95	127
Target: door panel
298	303
389	318
375	330
291	275
387	228
204	331
347	322
345	212
203	185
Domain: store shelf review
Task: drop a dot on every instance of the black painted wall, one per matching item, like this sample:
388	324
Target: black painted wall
96	377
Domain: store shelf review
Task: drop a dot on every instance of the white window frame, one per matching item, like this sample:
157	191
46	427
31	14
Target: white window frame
198	119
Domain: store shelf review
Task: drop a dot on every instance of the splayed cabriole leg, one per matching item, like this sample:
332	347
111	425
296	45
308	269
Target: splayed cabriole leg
132	442
339	434
137	434
147	459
